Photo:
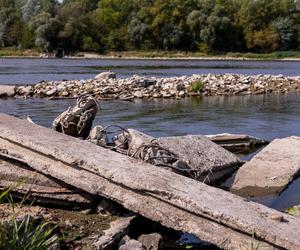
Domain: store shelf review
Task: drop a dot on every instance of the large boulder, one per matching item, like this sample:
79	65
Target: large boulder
106	75
270	171
7	90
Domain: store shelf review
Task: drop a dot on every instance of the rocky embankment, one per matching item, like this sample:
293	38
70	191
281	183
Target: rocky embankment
107	86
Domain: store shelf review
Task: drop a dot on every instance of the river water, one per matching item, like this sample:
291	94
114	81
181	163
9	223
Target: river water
265	116
21	71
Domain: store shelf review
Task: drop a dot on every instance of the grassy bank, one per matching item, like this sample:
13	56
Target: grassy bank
278	55
13	52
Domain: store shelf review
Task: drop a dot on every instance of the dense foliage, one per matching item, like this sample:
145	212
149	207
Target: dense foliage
188	25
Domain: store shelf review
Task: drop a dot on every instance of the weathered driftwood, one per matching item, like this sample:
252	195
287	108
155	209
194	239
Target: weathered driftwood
25	182
237	143
271	170
175	201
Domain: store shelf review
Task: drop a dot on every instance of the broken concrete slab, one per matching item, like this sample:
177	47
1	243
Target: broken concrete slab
237	143
193	156
270	171
210	161
7	90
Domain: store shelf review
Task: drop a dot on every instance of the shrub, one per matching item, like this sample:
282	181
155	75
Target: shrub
197	86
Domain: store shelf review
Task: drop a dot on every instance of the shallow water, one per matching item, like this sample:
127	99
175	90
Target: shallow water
21	71
266	116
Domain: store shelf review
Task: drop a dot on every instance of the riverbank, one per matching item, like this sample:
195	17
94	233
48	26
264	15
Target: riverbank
137	87
161	55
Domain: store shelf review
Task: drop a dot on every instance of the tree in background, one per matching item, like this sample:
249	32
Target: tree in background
188	25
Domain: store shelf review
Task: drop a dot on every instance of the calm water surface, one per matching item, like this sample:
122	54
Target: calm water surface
268	117
21	71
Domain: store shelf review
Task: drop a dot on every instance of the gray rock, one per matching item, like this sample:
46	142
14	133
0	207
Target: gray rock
152	241
114	234
51	92
270	171
138	94
7	91
106	75
128	244
25	90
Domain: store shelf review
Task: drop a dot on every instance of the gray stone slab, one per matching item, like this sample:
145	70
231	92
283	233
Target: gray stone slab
270	171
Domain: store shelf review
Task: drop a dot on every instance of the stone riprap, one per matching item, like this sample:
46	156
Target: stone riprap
173	87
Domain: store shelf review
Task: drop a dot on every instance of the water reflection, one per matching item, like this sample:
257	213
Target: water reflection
265	116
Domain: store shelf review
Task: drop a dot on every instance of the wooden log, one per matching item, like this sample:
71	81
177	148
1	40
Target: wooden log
175	201
26	182
237	143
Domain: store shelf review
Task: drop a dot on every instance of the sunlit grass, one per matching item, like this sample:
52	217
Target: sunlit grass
26	233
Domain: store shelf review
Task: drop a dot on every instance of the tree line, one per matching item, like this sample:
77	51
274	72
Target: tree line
187	25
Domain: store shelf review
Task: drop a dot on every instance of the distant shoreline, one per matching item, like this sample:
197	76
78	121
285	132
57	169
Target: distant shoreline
156	55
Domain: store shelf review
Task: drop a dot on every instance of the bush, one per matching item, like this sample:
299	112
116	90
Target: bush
197	86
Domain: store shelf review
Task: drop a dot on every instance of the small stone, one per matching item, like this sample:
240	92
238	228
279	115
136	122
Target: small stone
128	244
151	241
276	217
51	92
138	94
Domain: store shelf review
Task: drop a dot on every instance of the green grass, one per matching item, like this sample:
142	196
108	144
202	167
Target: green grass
266	56
182	54
197	86
25	234
11	52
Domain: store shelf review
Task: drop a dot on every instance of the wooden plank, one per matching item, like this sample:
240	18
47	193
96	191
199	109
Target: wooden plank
27	182
176	201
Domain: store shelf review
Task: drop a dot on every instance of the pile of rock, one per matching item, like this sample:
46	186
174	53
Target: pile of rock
109	87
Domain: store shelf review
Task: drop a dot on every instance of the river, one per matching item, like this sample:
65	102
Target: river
26	71
265	116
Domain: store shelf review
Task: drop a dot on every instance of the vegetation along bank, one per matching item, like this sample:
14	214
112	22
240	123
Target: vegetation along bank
206	26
